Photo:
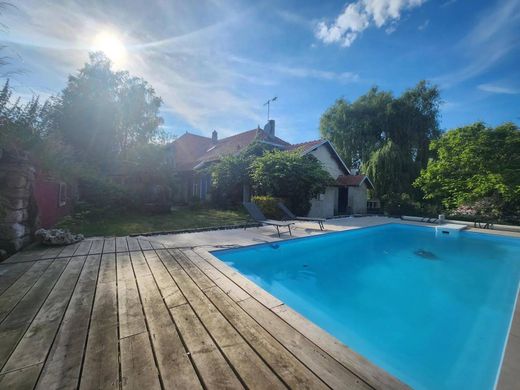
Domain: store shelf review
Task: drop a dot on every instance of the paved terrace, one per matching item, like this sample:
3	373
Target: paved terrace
161	312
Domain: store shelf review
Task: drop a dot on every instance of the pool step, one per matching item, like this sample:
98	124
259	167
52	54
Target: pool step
449	229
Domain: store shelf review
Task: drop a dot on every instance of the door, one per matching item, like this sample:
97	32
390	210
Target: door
342	200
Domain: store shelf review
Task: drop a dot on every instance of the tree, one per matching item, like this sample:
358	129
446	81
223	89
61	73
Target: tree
387	137
102	113
357	129
232	173
475	164
291	176
390	170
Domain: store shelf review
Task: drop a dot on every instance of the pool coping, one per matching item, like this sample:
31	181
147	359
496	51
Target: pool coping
507	376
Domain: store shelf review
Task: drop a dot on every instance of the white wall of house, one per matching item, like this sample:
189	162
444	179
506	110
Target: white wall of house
330	164
357	199
325	205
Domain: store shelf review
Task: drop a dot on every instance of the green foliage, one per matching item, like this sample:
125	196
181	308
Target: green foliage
357	129
22	126
388	137
232	173
390	170
102	113
290	176
100	193
473	163
269	206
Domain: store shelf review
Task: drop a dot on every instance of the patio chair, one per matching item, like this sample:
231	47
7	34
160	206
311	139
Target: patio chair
256	215
292	216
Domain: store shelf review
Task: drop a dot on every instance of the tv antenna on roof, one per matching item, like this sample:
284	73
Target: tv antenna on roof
268	104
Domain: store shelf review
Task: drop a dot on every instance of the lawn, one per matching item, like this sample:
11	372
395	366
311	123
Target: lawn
133	222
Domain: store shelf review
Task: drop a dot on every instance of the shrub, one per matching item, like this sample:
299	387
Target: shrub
101	193
269	206
290	176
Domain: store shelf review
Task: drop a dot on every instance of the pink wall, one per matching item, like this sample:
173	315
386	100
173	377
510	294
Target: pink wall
46	193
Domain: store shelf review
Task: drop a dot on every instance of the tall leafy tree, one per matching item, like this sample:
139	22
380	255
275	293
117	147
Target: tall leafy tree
101	112
473	163
387	137
291	176
358	128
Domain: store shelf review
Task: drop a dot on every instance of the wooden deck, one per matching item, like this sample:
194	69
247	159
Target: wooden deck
128	313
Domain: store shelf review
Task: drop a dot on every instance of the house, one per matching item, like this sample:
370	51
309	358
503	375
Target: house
191	153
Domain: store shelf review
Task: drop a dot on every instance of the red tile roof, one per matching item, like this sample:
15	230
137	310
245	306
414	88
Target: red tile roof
191	150
351	180
187	148
306	145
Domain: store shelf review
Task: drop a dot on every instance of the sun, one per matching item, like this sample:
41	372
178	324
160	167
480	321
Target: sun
109	43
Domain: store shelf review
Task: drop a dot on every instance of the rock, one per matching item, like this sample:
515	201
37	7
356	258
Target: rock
3	254
57	237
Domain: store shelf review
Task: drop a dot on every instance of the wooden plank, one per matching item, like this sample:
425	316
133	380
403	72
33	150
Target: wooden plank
37	341
15	293
121	245
291	370
16	323
333	373
251	369
138	370
133	244
69	250
211	364
145	244
83	248
23	256
252	289
9	273
63	364
23	379
52	252
107	268
97	246
139	263
156	244
191	269
101	363
221	280
131	317
170	292
109	245
348	358
174	364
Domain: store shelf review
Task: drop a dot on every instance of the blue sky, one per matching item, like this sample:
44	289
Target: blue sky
215	62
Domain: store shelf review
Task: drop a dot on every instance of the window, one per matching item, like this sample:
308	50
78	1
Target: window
62	198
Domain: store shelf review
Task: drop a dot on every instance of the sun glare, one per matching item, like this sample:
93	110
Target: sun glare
110	44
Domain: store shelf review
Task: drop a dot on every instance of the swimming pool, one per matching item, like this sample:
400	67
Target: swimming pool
434	311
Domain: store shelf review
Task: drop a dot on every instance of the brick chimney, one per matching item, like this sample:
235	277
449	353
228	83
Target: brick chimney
214	136
269	128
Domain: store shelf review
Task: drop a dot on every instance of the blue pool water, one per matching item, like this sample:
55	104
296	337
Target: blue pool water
433	311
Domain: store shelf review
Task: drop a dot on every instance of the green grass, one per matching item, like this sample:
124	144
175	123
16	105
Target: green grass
132	222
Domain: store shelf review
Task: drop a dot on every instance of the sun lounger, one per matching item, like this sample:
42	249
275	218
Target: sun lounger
292	216
257	215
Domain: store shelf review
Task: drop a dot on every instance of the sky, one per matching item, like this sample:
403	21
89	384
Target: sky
216	62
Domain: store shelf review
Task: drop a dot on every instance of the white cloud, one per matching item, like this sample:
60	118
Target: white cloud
494	88
361	14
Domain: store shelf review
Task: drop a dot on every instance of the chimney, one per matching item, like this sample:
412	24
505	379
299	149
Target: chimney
269	127
214	136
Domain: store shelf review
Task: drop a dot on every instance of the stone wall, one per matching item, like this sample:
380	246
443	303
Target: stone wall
18	212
